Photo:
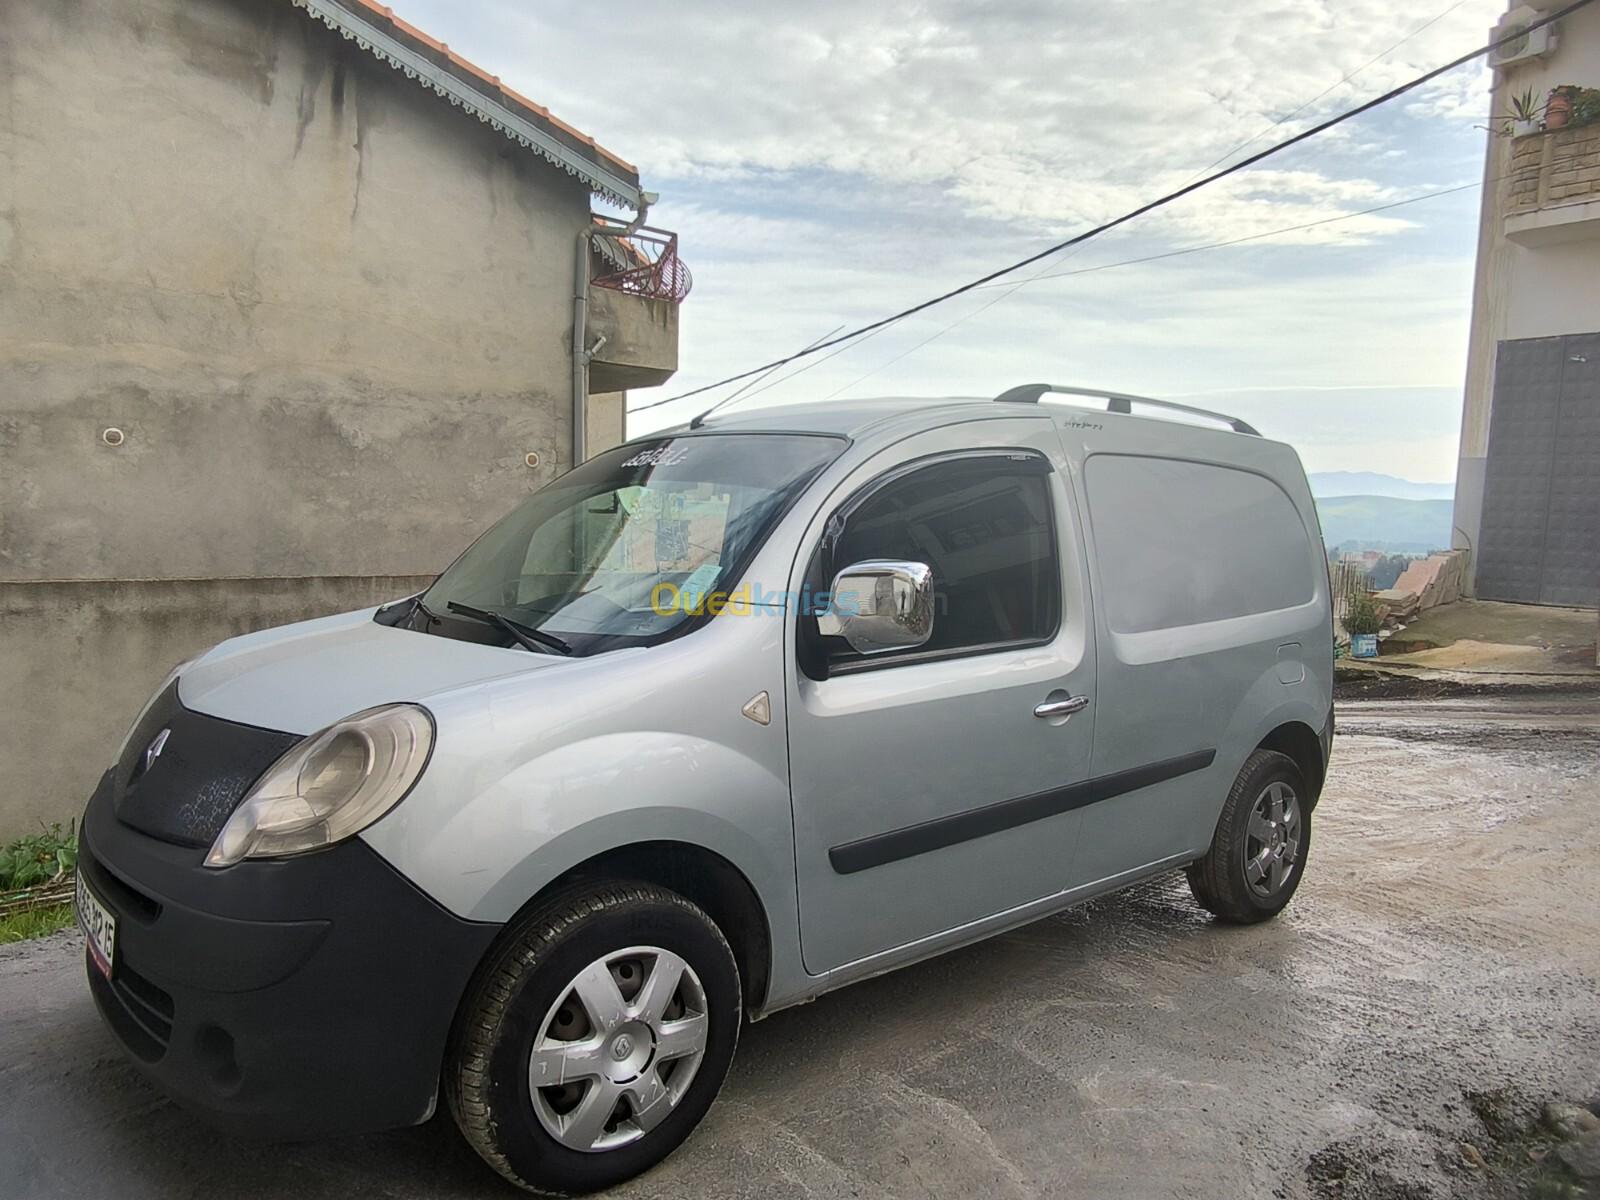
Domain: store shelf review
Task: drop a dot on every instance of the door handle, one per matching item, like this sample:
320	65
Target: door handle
1061	708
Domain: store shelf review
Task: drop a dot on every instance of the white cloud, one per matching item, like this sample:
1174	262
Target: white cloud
1008	109
831	162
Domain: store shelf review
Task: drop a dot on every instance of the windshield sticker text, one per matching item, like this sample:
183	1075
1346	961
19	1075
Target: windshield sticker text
661	456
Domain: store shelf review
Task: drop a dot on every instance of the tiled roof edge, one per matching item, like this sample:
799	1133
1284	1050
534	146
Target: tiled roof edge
610	177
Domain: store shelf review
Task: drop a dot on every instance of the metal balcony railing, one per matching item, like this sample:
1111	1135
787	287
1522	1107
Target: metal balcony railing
646	262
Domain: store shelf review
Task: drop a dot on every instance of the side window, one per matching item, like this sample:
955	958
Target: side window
984	524
1184	543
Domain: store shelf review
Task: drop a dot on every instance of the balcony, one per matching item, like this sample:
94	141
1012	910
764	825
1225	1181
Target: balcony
1553	187
636	284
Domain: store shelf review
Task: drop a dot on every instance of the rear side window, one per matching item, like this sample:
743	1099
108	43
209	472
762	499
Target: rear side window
1184	543
984	524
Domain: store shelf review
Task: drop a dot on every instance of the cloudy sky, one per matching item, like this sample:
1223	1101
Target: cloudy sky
828	163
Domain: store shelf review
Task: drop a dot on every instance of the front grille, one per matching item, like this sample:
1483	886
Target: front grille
121	896
138	1011
185	793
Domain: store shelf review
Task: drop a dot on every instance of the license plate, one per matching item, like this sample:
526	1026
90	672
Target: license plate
99	926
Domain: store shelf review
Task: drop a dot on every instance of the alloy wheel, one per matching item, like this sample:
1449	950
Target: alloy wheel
1272	839
619	1049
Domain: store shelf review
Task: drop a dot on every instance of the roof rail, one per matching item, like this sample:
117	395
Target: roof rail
1117	402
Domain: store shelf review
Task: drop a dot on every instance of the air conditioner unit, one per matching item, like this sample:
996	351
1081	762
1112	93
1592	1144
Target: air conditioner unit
1532	43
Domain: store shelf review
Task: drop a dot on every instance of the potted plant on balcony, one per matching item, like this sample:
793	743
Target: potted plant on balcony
1558	108
1524	118
1585	106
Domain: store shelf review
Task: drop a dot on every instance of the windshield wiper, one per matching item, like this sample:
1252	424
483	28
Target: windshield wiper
526	636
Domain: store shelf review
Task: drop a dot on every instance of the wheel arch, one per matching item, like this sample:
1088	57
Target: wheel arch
1301	743
698	874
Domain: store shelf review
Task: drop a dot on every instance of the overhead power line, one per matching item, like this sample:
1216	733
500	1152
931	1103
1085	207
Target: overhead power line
1332	87
729	399
1256	237
1149	258
1013	288
1307	134
809	364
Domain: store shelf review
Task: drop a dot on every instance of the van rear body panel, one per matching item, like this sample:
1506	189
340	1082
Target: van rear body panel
1242	593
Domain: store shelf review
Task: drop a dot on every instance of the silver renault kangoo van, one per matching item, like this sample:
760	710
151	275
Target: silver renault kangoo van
723	719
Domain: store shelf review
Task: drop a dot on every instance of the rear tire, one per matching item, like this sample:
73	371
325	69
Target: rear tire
595	1038
1259	850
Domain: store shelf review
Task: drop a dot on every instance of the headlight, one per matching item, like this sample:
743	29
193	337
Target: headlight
330	786
122	746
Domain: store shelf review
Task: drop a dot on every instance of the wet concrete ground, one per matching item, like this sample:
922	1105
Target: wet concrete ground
1446	942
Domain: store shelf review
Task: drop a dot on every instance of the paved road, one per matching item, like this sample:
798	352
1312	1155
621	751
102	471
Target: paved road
1447	940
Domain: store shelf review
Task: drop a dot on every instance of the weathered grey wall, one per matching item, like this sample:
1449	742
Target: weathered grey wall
641	340
608	419
80	658
329	312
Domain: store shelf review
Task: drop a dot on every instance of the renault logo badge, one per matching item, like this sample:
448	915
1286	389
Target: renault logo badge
156	746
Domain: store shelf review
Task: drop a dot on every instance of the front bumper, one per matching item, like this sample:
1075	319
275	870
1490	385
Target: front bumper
293	998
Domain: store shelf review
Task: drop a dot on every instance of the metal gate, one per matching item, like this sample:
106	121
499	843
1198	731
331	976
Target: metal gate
1539	540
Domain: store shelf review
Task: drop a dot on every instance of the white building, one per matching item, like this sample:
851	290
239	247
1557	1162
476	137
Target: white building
1528	482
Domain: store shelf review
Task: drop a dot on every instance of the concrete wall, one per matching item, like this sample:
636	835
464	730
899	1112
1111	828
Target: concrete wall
80	658
1522	291
641	340
329	313
607	420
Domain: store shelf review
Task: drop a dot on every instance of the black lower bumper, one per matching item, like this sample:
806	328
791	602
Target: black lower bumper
293	998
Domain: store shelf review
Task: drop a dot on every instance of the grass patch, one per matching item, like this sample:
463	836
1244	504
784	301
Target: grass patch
34	922
35	883
30	861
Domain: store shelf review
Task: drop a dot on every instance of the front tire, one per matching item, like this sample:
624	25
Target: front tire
595	1039
1258	852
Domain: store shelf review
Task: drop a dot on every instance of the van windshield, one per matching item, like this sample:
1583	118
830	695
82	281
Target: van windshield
581	560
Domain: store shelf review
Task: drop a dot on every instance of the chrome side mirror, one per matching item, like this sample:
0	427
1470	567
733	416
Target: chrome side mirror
880	604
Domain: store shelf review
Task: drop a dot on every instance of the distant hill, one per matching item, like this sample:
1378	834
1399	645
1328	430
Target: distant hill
1385	523
1368	483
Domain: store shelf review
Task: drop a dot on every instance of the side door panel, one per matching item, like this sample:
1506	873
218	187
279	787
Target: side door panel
927	795
1206	578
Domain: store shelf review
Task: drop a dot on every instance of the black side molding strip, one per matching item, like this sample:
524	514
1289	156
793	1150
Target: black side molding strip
940	832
